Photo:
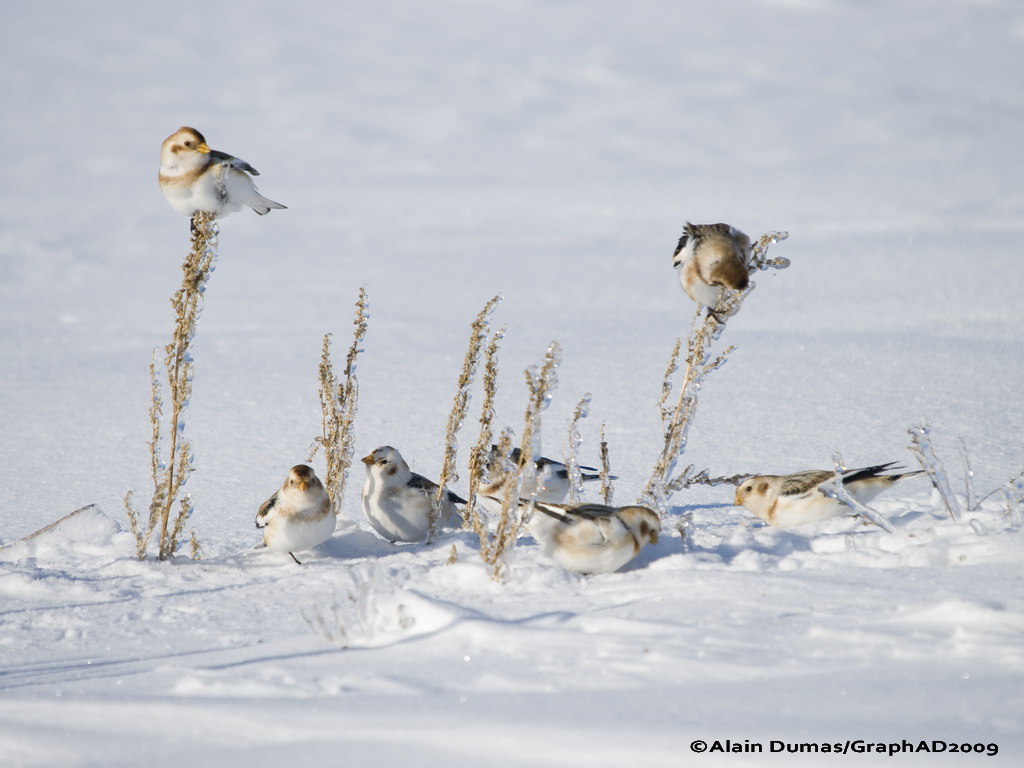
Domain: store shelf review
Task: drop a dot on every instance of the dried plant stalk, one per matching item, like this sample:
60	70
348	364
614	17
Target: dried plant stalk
480	452
541	382
700	362
338	405
460	407
171	476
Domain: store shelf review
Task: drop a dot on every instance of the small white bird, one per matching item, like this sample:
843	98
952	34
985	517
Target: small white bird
711	258
299	516
593	538
194	177
397	501
797	499
552	475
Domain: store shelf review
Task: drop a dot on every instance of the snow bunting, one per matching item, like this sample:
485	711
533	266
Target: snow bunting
789	500
553	477
194	177
711	258
593	538
397	501
299	516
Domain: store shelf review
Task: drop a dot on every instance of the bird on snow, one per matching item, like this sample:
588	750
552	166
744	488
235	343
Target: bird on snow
397	501
299	516
593	538
552	477
797	499
711	258
194	177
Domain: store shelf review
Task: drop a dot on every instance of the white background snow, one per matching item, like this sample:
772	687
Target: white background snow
439	153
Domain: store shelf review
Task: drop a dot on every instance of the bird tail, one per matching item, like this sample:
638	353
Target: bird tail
264	205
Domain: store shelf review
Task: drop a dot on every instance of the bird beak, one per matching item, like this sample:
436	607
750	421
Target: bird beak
367	459
303	485
654	537
203	148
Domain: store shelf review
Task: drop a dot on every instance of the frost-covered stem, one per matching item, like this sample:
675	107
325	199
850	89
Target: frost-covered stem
460	406
922	448
968	474
607	491
1013	494
676	422
836	490
338	405
572	463
704	332
688	478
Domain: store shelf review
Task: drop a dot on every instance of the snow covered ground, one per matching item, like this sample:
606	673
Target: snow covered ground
439	153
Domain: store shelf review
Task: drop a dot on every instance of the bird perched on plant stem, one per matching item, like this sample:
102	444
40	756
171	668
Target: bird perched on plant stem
797	499
194	177
593	538
711	258
397	502
299	516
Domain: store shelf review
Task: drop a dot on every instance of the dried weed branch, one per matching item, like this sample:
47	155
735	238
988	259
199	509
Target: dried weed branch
338	405
700	361
171	475
460	407
541	382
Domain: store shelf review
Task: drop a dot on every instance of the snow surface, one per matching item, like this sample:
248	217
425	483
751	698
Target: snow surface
440	153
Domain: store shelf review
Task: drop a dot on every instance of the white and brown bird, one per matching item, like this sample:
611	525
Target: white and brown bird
593	538
797	499
551	482
397	502
299	516
194	178
711	258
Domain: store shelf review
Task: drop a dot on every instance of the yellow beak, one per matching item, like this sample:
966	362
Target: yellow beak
203	148
367	459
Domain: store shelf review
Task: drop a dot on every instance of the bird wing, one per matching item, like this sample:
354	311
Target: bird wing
429	488
581	512
232	162
853	475
554	512
801	482
679	247
265	509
